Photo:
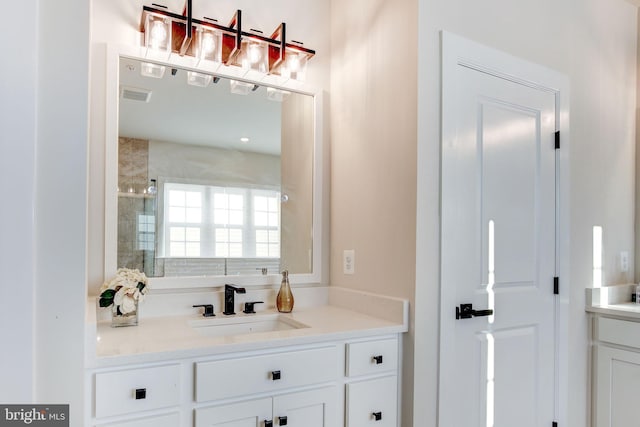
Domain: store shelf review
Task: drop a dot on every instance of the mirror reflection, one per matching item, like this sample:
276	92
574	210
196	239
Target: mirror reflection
214	176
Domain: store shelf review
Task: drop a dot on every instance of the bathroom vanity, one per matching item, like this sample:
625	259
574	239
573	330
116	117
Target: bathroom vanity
334	361
615	332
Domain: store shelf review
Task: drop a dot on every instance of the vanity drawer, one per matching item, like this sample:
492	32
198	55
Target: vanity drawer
265	373
135	390
621	332
371	357
373	403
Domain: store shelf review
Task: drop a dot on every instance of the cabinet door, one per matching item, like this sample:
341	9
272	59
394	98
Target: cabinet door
314	408
373	403
617	387
252	413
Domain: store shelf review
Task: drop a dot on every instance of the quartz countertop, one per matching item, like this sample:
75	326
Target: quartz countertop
629	310
347	315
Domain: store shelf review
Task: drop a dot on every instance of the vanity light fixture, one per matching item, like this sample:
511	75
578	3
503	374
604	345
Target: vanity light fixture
208	45
244	139
157	35
250	55
253	58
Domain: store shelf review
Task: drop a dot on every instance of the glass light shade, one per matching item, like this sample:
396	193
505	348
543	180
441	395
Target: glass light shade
254	56
157	34
240	88
198	79
148	69
295	65
208	45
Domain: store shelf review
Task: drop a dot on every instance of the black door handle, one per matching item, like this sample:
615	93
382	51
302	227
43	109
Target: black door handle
282	421
377	416
466	311
268	423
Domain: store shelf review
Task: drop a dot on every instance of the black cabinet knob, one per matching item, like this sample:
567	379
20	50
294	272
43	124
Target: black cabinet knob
377	359
282	421
377	416
268	423
141	393
275	375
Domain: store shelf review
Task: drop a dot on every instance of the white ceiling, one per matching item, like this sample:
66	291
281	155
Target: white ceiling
211	116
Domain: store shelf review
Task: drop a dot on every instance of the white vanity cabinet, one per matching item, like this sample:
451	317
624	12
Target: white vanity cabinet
616	372
328	384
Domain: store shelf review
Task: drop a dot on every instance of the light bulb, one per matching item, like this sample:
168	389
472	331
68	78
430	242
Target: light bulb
293	63
158	33
255	53
208	43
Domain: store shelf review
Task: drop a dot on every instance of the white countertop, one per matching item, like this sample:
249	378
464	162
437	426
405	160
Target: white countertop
172	337
629	310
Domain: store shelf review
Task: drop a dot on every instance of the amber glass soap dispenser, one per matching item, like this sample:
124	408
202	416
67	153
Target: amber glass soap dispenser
284	300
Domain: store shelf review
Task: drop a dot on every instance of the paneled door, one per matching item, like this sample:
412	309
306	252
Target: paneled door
498	240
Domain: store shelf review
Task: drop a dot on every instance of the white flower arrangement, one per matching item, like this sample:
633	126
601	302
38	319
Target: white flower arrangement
127	287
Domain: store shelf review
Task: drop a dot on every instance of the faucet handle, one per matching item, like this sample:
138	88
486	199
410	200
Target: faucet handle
208	309
248	306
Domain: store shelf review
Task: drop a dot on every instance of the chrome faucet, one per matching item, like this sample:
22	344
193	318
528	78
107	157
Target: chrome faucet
229	298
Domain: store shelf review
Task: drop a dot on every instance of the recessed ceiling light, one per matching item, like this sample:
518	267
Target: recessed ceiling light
244	139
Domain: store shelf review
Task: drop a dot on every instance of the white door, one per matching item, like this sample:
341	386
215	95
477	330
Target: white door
498	242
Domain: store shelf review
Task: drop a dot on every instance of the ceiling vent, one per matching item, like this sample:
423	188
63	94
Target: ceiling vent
135	94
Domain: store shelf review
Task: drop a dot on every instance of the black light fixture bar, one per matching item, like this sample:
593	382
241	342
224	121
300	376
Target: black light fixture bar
188	11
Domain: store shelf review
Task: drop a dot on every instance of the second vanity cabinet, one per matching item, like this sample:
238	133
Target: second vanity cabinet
616	372
351	383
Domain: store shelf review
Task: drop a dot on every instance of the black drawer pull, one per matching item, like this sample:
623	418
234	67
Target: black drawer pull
377	416
268	423
275	375
141	393
377	359
282	421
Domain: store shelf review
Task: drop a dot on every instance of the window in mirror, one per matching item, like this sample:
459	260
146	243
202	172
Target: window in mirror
219	222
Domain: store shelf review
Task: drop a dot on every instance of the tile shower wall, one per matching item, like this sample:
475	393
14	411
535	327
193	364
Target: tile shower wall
133	170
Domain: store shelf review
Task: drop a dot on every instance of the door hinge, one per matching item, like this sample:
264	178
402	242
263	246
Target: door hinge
557	140
554	424
556	286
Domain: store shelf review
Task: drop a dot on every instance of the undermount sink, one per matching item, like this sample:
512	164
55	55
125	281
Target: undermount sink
242	325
